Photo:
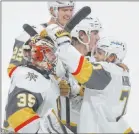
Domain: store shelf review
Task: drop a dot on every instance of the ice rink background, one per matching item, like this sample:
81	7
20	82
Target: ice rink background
120	19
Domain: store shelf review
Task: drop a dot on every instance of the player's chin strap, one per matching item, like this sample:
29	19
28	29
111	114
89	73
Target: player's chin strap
86	44
106	56
56	20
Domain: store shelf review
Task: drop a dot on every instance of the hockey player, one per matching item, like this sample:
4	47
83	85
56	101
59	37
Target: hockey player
87	32
62	41
60	11
31	105
107	86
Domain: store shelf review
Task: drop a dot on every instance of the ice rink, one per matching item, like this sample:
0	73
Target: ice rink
120	19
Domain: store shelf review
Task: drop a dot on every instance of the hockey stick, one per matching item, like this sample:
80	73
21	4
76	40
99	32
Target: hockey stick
67	112
79	16
29	29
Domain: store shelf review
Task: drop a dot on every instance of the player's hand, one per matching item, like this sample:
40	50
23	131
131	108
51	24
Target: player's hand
52	29
64	88
57	34
122	65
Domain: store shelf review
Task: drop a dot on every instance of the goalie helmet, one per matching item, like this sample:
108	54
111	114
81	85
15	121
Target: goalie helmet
112	46
41	53
87	25
59	3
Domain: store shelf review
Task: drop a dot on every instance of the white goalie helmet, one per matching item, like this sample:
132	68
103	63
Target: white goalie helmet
60	3
111	46
87	25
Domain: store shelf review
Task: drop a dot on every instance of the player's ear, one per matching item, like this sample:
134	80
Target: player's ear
82	34
52	11
112	58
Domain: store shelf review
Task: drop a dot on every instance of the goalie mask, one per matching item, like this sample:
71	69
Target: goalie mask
41	54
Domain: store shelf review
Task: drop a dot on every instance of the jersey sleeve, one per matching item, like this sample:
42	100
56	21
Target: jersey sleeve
22	116
24	99
94	76
21	108
17	56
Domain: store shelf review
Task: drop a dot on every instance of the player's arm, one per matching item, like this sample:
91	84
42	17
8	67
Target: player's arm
22	116
21	110
82	70
17	56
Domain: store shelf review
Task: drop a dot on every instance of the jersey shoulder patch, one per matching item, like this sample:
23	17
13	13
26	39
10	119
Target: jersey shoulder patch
30	79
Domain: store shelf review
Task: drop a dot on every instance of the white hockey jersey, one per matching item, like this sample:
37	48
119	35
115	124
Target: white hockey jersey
106	95
105	107
32	102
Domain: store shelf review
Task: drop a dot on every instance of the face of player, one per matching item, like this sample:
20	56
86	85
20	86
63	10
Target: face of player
99	55
94	37
64	14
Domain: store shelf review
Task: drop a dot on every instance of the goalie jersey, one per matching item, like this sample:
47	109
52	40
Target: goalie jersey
30	96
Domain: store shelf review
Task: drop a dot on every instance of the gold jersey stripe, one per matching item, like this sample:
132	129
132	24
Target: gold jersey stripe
21	118
84	71
71	123
129	130
10	69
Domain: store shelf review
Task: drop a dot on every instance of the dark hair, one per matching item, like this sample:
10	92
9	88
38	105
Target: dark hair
74	41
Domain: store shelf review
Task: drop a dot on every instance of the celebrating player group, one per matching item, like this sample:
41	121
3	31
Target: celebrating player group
65	78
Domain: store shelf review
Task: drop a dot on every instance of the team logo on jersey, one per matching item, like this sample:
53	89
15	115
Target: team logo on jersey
31	76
